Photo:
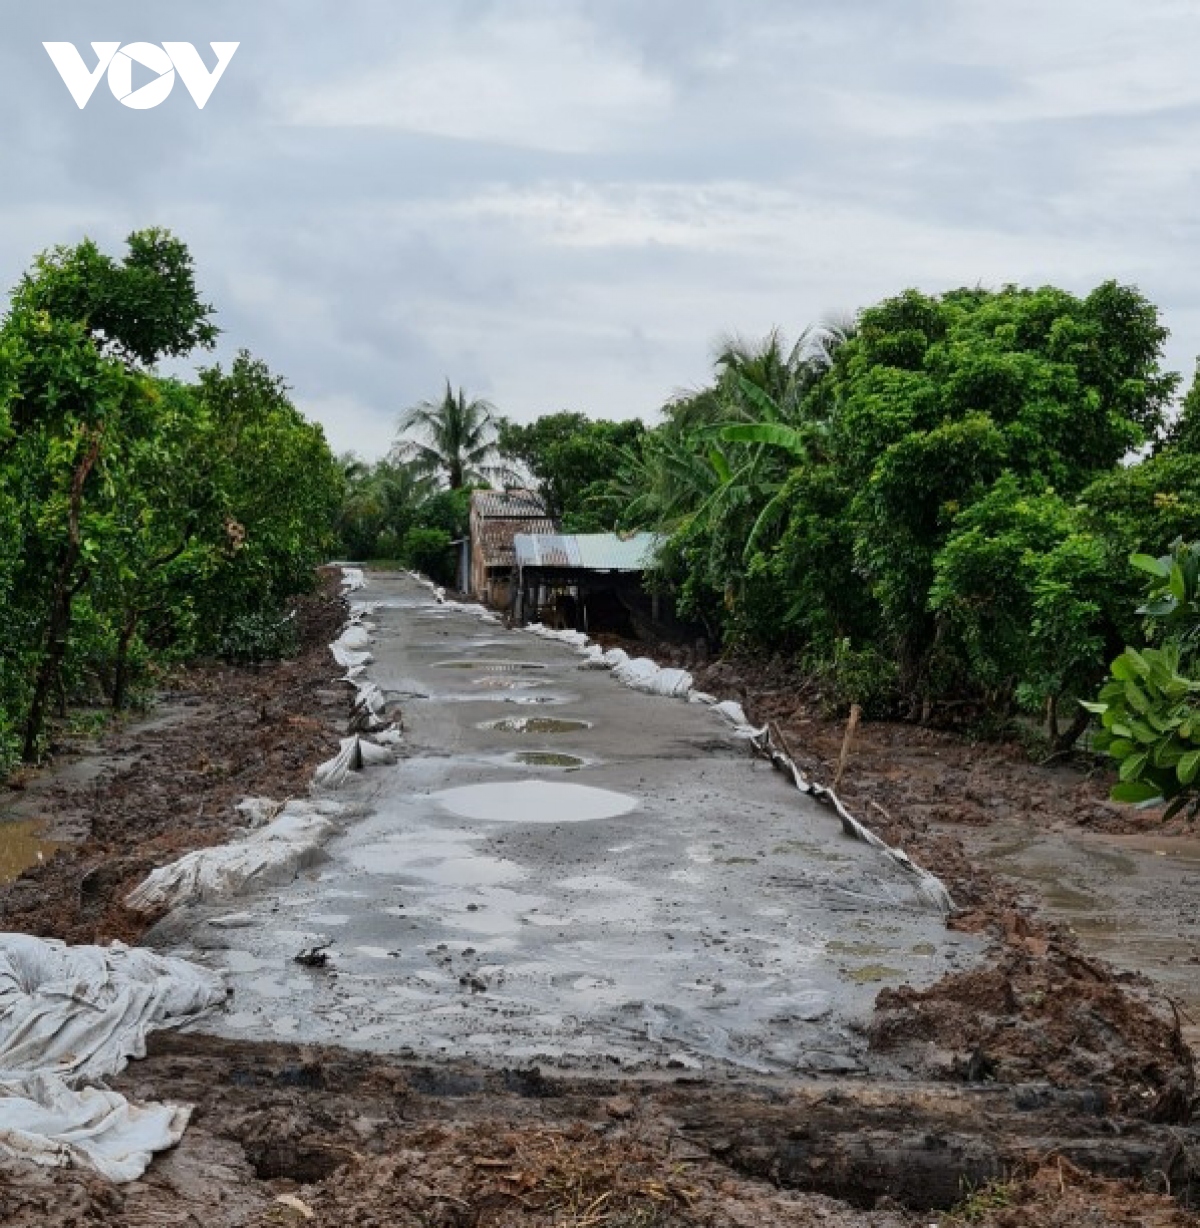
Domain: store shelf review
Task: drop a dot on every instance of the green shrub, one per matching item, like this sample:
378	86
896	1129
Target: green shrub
429	551
260	636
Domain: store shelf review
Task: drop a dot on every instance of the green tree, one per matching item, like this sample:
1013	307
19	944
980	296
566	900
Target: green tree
453	438
85	324
571	459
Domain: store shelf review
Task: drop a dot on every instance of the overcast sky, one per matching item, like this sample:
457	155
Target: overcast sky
560	204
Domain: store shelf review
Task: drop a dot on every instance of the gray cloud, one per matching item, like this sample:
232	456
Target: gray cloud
559	203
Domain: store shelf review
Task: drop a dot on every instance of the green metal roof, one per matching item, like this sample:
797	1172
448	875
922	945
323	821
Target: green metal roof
587	551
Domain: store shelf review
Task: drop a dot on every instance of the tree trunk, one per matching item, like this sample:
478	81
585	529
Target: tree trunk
1074	731
121	675
58	624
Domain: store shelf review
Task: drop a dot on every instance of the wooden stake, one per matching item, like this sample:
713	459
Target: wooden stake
847	741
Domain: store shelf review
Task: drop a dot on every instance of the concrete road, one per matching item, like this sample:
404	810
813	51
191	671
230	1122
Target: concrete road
632	887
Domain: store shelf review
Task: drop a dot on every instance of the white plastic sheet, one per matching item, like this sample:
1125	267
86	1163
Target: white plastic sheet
44	1121
71	1014
271	854
356	753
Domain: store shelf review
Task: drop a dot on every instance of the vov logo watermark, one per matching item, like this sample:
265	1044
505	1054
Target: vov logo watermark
118	62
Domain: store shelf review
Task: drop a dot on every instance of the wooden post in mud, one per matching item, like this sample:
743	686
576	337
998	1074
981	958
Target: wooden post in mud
847	742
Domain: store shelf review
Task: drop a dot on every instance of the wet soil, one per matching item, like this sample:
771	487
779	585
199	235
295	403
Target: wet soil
1046	1008
287	1134
152	789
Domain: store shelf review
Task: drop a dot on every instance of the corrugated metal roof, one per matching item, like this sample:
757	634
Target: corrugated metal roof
495	537
586	551
507	505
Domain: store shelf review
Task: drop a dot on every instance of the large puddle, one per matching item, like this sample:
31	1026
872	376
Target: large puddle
491	667
535	801
22	845
501	682
546	759
535	724
1127	898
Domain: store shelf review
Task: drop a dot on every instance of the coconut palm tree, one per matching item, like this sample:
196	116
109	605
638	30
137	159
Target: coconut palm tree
453	438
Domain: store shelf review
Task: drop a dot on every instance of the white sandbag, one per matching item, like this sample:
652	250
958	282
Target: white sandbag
258	811
272	854
355	638
733	713
353	578
576	639
364	609
616	657
368	708
593	658
348	659
45	1122
673	683
356	753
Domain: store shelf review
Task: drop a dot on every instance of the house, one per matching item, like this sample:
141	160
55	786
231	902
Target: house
496	518
586	581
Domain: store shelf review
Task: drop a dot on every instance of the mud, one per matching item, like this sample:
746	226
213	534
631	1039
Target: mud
284	1132
1041	862
23	844
156	787
281	1132
671	906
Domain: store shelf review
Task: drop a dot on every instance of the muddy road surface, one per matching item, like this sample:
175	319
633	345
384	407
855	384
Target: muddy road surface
582	959
562	870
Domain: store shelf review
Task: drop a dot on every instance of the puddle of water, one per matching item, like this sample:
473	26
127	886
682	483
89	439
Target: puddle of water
547	759
491	667
535	801
535	724
22	845
500	682
863	950
869	974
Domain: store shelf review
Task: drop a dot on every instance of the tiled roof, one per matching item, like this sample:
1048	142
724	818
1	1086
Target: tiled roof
507	505
495	537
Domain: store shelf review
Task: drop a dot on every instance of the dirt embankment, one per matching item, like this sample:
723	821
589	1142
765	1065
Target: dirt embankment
1040	1009
287	1135
171	784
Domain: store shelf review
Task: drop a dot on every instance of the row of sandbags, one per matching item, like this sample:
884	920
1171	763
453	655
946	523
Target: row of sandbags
281	840
643	674
73	1015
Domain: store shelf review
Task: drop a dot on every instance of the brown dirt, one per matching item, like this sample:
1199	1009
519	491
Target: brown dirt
1058	1195
173	785
1041	1009
282	1133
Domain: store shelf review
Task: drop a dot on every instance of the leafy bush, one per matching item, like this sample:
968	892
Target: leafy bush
429	551
141	518
1150	709
259	636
